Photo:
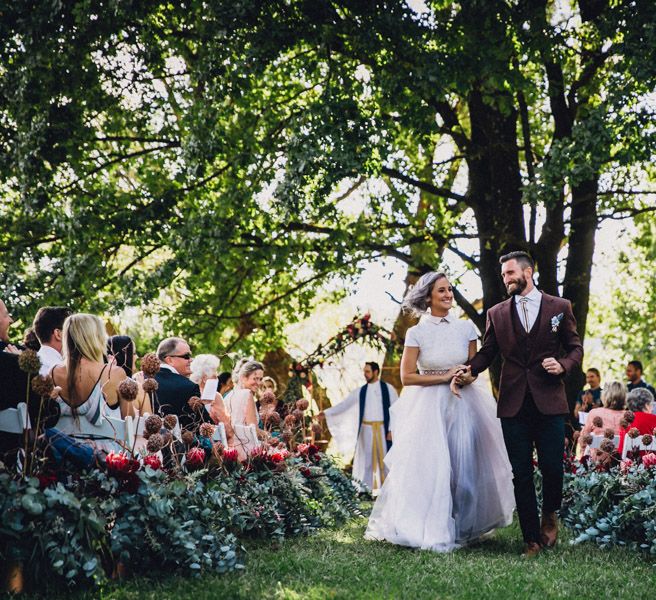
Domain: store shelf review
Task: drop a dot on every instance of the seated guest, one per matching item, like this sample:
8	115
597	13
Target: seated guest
122	349
48	326
225	383
590	398
88	384
241	403
614	403
6	321
634	375
203	368
175	387
640	401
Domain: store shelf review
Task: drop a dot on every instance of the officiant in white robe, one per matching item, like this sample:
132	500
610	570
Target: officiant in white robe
361	424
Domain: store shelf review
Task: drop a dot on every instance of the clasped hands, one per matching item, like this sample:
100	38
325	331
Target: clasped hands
462	375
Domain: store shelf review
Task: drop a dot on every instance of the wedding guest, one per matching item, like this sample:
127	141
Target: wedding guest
6	321
175	387
124	352
640	401
614	403
48	326
88	384
203	368
241	403
268	385
590	398
634	375
225	383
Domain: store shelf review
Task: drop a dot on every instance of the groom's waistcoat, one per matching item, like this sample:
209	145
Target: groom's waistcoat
553	335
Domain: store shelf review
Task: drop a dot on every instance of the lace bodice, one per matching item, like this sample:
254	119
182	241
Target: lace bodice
442	343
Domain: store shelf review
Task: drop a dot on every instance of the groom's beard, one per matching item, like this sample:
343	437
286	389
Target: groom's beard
519	287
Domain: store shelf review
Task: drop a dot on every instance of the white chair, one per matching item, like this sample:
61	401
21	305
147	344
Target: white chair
596	442
108	430
220	435
246	435
583	417
140	423
15	420
636	445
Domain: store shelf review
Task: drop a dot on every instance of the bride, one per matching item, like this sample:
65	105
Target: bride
450	480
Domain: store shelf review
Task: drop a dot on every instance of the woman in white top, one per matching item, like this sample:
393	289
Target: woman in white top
450	480
241	404
88	385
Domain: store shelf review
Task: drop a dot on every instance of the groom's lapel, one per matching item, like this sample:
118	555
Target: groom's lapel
508	316
545	317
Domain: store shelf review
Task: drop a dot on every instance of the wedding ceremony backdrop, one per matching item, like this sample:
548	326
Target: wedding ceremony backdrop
218	169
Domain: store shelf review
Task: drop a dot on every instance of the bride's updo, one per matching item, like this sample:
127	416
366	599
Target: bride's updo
417	300
245	367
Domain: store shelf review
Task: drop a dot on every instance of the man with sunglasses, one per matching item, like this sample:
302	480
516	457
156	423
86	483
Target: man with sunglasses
175	387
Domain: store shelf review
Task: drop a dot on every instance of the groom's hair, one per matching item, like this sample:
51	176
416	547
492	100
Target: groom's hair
374	366
523	258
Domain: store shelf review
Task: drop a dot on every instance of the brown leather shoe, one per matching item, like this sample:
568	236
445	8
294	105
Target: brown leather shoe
531	550
549	529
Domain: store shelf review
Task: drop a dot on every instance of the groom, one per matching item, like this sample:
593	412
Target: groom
536	336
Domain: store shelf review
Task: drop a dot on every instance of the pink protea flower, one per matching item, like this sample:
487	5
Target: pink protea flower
625	465
302	404
150	364
128	389
152	461
649	460
150	385
170	421
195	458
119	464
230	455
598	422
633	433
206	430
43	386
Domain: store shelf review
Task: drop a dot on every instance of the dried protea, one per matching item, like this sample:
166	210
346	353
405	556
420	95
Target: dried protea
647	439
271	418
609	434
302	404
298	415
633	433
624	424
170	421
586	440
290	421
150	385
150	364
29	361
128	389
206	430
166	436
598	422
629	416
195	403
43	386
607	446
649	460
153	424
267	398
187	437
155	443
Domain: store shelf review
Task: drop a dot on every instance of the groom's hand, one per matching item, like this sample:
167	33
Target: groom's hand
464	376
552	366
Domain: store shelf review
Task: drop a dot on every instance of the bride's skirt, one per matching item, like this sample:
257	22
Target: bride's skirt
450	481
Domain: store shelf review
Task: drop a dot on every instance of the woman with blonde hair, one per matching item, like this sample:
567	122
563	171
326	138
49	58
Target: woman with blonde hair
607	416
203	368
88	385
241	403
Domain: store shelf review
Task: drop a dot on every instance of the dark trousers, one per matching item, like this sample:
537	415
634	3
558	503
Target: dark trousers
528	429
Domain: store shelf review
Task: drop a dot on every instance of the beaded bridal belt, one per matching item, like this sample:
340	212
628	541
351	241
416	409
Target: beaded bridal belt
434	372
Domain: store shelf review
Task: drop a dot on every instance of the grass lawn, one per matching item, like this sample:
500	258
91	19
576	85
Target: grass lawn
340	564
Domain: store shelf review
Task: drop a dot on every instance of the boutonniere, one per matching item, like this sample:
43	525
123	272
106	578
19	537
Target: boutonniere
555	322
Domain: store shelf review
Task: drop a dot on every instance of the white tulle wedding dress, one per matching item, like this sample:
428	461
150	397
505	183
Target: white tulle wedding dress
449	478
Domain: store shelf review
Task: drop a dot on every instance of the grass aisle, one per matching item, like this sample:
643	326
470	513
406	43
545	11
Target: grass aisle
340	564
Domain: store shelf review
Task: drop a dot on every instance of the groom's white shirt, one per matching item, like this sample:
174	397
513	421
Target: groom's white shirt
534	298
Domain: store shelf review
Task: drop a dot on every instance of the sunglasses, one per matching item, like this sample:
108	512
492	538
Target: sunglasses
186	356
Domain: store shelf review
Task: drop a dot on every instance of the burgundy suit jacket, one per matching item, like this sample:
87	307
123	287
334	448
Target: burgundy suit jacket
523	354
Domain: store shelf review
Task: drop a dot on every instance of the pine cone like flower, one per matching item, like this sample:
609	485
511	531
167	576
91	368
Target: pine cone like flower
624	424
195	403
206	430
298	415
287	435
302	404
598	422
609	434
29	361
150	385
187	437
647	439
633	433
267	397
150	364
170	421
155	443
317	430
607	446
128	389
153	424
586	440
271	418
290	420
629	416
43	386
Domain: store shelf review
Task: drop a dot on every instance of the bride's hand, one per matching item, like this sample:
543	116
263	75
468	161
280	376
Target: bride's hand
454	387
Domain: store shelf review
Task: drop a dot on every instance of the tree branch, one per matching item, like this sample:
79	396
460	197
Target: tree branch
423	185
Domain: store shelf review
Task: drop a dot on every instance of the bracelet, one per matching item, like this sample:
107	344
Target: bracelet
434	372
